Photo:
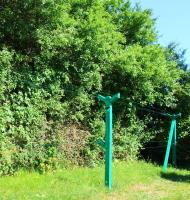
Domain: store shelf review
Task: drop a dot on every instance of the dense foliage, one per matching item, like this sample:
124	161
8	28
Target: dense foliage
56	56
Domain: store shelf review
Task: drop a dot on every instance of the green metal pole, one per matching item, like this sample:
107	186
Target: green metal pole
169	145
174	145
107	145
108	156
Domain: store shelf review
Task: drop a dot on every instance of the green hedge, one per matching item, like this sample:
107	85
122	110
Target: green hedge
55	57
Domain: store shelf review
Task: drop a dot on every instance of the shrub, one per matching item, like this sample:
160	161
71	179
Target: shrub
55	57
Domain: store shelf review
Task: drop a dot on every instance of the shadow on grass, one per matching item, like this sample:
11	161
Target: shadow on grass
176	177
183	164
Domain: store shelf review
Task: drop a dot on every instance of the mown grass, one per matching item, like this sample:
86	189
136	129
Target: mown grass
131	181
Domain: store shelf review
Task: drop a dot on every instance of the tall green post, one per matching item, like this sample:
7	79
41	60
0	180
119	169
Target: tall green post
107	145
169	145
172	141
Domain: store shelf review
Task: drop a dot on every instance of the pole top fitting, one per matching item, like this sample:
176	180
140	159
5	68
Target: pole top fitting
108	100
175	116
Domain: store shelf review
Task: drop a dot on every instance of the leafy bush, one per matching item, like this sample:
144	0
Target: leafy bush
55	57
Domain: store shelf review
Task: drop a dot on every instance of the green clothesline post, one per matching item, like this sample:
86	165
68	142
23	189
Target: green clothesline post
172	141
107	145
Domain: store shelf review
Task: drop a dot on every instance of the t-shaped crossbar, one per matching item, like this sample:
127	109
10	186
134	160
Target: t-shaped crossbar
174	116
107	145
108	100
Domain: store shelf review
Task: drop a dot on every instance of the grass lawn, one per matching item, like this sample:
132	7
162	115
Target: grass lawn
131	181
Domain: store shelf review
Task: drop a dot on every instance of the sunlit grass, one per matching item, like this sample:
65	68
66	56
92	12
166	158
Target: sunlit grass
133	181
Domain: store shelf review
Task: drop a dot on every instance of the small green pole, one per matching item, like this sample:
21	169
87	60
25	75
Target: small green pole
172	137
108	156
172	141
174	146
107	145
169	146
